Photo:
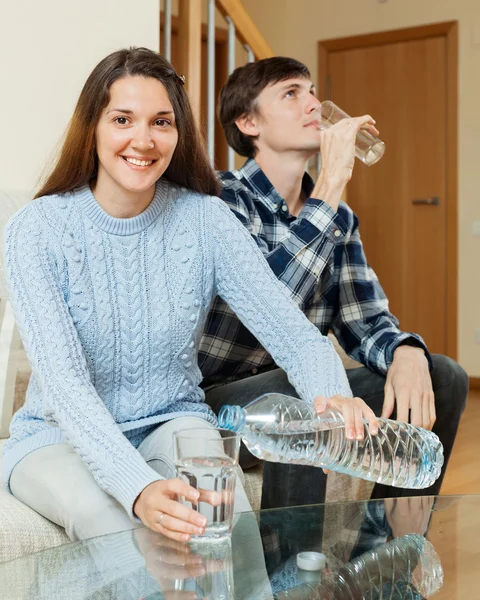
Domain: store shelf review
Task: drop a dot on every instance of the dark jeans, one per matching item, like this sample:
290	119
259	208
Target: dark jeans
293	485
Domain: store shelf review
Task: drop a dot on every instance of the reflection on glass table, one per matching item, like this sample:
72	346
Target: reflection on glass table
409	548
406	568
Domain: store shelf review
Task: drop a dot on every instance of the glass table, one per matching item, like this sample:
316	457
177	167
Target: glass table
397	549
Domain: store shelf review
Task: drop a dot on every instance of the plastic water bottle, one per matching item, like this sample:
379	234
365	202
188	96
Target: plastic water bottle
279	428
407	568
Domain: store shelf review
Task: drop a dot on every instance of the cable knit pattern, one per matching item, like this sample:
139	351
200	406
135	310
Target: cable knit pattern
111	312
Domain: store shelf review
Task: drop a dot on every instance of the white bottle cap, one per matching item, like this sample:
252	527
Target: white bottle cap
311	561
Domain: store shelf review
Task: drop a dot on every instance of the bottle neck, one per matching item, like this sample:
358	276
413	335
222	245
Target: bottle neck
232	418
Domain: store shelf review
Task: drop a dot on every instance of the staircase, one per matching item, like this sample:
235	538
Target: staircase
206	55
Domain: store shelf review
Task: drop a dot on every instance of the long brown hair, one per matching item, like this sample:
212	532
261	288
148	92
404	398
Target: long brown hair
78	161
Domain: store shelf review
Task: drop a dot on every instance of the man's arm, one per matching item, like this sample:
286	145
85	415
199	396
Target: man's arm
369	333
363	324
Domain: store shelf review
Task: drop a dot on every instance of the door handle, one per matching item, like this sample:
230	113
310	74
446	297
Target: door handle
434	201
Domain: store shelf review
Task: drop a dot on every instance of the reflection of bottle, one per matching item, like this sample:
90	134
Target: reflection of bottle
283	429
407	568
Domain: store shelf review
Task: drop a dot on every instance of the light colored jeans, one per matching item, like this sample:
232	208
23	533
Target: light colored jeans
56	483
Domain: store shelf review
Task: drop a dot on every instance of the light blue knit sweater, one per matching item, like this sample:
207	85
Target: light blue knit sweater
111	312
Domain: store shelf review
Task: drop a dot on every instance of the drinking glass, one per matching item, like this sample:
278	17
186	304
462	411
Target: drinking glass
368	148
207	459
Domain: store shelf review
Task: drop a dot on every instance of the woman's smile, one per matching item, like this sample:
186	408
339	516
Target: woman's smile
138	163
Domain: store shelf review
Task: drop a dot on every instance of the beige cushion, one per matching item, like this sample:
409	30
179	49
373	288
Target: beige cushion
22	530
348	363
253	485
14	367
340	488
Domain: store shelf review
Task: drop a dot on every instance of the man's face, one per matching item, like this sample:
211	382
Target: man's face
288	117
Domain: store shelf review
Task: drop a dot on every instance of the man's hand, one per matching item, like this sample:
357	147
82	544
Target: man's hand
408	515
337	148
410	385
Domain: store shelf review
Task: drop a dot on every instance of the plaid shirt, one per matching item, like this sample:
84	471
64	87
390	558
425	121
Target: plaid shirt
319	257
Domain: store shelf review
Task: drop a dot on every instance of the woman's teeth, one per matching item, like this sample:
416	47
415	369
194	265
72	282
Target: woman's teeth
139	163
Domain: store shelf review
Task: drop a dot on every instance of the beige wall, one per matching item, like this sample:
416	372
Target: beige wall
47	50
293	28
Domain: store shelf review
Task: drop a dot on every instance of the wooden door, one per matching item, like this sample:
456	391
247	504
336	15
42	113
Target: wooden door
403	85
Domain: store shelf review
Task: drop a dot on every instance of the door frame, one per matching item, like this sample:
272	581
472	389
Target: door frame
449	30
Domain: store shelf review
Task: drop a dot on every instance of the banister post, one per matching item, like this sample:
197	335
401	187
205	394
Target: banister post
246	30
190	43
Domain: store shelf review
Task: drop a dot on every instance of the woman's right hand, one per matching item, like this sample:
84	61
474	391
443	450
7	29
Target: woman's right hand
178	521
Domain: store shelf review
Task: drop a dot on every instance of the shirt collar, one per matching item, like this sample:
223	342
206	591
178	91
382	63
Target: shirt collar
264	189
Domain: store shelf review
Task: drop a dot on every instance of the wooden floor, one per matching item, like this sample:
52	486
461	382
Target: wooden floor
463	473
455	532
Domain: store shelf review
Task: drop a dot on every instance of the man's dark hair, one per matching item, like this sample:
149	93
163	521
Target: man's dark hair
238	96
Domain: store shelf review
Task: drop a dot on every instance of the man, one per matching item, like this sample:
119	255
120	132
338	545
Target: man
311	240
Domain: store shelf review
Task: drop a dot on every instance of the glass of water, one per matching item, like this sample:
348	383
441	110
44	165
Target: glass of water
207	459
368	148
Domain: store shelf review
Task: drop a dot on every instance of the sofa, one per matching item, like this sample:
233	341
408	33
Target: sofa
22	530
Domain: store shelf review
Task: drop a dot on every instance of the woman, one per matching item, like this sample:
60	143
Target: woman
111	271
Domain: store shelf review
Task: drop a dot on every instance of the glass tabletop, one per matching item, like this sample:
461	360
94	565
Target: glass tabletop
397	549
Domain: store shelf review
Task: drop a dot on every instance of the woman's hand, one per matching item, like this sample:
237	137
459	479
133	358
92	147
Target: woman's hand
354	410
158	508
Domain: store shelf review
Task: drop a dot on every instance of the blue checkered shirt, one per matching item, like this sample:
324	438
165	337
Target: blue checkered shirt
319	257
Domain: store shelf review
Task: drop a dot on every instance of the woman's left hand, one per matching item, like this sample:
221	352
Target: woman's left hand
354	411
